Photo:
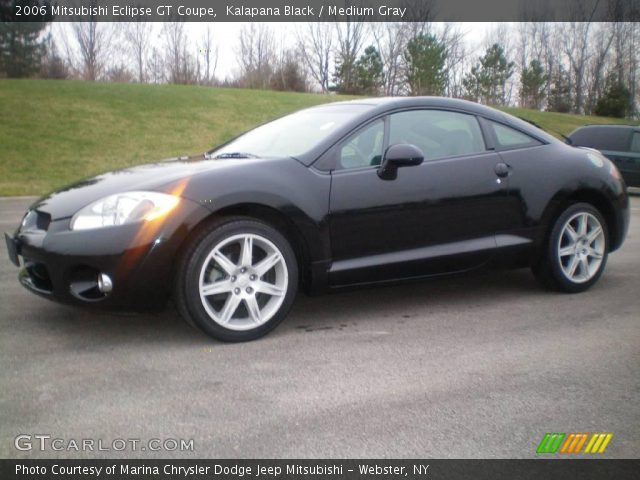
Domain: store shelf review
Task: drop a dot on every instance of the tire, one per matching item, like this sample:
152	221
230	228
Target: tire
236	280
576	252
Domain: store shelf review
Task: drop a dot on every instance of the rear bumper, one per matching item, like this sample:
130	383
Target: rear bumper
63	265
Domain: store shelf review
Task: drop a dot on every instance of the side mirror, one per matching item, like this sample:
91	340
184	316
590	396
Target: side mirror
396	156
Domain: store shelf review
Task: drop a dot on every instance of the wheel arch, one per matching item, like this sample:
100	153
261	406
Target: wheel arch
270	215
585	195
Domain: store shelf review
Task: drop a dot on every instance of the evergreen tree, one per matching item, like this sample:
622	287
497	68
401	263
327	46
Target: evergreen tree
532	85
21	45
369	72
425	59
560	94
473	84
486	82
345	76
616	101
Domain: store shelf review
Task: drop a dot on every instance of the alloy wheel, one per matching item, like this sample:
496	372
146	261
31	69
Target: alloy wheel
243	281
581	247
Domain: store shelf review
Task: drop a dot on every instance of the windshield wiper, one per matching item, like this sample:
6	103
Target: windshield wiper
236	155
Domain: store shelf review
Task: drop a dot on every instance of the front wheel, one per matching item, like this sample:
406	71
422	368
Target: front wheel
237	280
576	251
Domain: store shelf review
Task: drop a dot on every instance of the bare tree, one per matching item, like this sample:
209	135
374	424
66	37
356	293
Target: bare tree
94	41
633	45
626	57
138	36
174	37
155	66
350	34
546	45
256	55
603	38
210	53
180	64
452	37
391	41
420	14
576	36
576	46
316	46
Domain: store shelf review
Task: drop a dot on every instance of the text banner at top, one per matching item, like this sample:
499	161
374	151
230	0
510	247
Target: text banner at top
318	10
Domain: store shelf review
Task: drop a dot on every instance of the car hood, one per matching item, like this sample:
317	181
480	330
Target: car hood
66	201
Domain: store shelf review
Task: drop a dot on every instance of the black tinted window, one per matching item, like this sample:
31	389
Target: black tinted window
437	133
507	137
602	138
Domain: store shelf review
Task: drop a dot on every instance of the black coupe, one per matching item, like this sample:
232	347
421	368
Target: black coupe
344	194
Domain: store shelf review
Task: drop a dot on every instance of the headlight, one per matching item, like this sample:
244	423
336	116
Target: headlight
615	173
123	208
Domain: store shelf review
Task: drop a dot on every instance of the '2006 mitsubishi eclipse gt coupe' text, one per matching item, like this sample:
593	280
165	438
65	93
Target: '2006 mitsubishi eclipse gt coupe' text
344	194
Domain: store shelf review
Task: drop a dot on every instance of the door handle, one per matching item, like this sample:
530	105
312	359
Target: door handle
502	169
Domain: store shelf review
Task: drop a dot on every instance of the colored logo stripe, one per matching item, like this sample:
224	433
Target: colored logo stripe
573	443
598	443
550	442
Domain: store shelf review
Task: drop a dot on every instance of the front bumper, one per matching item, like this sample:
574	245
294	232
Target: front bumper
64	265
622	216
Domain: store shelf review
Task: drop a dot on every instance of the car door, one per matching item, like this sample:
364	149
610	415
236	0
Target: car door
437	217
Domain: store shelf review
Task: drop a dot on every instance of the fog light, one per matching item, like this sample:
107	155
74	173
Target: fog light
105	285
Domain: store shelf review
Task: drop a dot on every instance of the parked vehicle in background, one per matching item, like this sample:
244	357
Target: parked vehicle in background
619	143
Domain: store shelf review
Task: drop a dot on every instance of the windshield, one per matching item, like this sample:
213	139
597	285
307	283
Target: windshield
292	135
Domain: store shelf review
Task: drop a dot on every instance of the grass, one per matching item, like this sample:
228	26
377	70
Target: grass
563	123
55	132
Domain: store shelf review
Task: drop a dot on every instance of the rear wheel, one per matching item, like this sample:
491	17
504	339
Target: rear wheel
237	280
576	251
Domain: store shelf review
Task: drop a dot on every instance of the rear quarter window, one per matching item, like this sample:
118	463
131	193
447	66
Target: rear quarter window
509	138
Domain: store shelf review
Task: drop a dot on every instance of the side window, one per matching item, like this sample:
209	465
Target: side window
635	142
508	137
364	148
611	138
583	137
437	133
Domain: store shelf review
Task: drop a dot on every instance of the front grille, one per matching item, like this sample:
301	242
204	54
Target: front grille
35	220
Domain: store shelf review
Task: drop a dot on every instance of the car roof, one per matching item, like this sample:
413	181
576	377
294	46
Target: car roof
381	105
389	103
611	126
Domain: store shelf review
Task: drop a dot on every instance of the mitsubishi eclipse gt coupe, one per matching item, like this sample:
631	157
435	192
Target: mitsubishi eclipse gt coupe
340	195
